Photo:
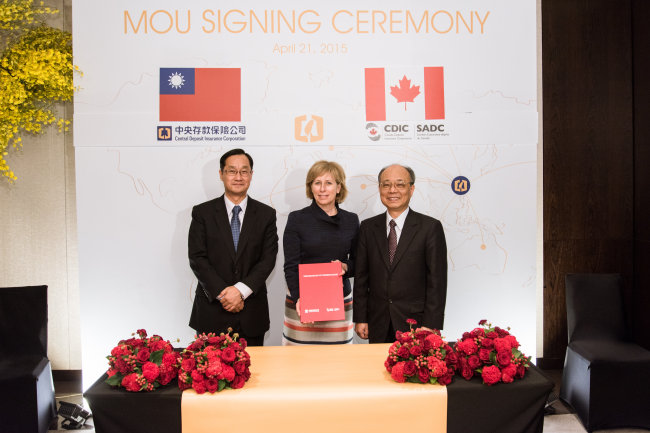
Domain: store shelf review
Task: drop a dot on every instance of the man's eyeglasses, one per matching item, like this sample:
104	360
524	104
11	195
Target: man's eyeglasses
400	186
232	172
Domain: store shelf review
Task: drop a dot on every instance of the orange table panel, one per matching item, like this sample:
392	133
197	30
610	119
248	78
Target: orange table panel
318	389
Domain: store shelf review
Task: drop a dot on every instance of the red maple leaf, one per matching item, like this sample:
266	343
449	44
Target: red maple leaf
373	131
405	92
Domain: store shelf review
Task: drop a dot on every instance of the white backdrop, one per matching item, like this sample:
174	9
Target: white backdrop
302	99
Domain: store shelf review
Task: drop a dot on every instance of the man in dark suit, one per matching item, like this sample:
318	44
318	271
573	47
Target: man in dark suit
232	246
401	264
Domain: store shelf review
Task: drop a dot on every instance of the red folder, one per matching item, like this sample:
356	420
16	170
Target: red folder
321	292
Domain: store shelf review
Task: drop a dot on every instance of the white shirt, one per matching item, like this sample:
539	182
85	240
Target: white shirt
399	223
243	288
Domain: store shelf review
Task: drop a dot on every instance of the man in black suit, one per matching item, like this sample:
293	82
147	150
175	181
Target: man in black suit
232	246
401	264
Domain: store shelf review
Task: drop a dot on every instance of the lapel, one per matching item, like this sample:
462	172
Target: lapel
379	230
223	224
411	226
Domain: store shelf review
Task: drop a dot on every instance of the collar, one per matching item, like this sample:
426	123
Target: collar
230	205
399	221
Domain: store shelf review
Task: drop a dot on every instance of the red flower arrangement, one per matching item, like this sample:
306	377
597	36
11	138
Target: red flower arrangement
142	364
419	356
491	352
212	363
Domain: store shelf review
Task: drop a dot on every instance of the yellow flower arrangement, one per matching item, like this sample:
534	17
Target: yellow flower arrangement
35	72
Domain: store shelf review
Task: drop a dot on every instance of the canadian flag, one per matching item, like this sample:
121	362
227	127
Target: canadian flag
405	93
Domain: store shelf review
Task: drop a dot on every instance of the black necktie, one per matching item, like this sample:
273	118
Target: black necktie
392	241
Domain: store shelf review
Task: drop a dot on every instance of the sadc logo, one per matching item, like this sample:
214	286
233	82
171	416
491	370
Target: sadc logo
460	185
308	130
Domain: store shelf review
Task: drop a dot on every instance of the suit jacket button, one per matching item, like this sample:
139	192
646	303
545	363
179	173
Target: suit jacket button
390	301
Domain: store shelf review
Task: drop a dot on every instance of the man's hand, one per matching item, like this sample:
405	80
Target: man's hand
231	299
344	267
362	330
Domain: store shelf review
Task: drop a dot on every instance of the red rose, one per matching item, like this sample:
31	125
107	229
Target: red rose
521	371
513	341
478	332
136	342
197	376
503	357
482	322
122	366
467	346
228	354
416	351
501	332
484	354
398	372
445	379
166	377
157	345
143	355
424	374
452	358
409	368
243	343
199	386
238	382
247	374
213	340
426	346
466	371
228	372
389	364
212	385
411	321
403	352
488	343
150	371
239	367
474	362
508	373
492	335
188	364
491	375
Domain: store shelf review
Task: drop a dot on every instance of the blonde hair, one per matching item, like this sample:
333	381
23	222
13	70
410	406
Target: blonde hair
321	167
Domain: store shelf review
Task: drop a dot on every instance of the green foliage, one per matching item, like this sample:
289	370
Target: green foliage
35	72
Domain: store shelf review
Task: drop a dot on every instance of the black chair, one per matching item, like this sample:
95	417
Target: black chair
606	378
27	391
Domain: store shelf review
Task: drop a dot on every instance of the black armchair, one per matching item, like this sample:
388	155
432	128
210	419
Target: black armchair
606	378
27	400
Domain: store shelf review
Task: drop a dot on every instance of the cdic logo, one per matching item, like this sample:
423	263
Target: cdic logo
460	185
373	131
164	133
308	130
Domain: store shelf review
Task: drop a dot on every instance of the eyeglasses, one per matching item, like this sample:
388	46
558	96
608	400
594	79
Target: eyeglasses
232	172
400	186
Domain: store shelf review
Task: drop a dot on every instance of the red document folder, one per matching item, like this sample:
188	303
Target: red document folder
321	292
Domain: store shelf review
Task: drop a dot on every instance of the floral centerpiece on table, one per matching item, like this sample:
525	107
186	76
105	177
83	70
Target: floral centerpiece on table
211	363
142	363
491	352
419	355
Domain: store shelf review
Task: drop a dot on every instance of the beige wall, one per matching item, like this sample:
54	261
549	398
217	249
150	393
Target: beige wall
38	238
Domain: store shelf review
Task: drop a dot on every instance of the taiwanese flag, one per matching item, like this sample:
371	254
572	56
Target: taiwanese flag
200	94
405	93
